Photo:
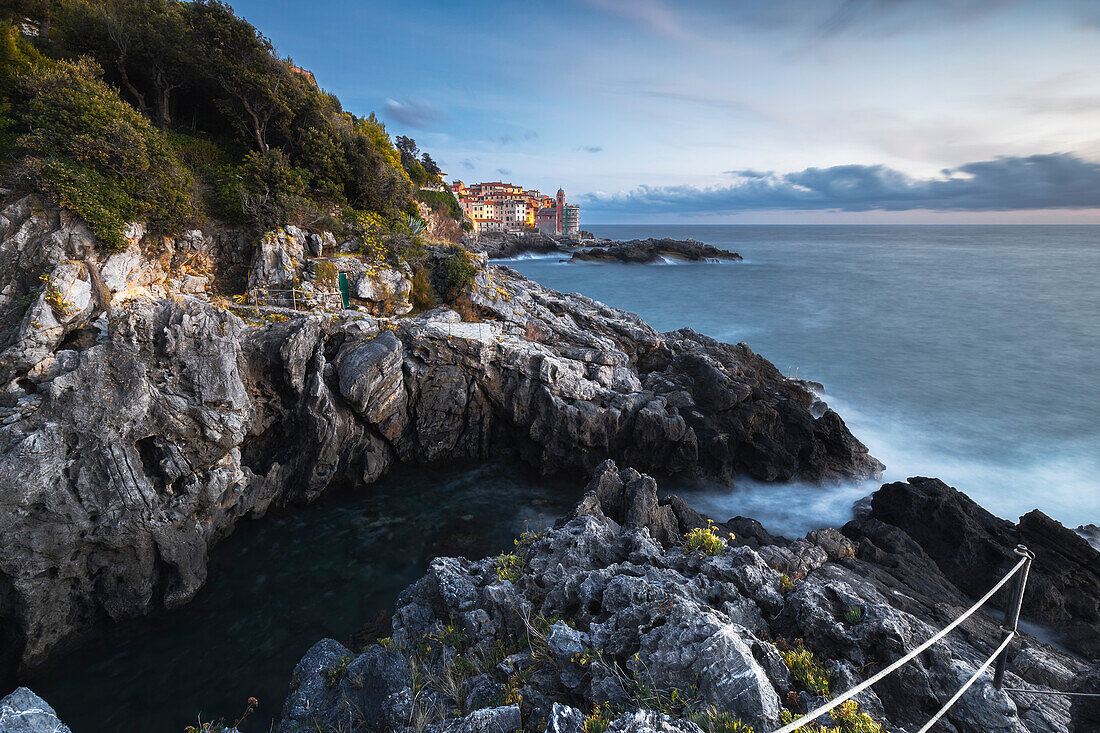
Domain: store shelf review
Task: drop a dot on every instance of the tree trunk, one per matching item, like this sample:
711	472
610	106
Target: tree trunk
120	62
257	126
164	98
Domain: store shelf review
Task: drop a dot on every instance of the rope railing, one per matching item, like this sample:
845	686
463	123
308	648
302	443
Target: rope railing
1012	613
324	297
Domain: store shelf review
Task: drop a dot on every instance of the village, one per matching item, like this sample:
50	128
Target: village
504	207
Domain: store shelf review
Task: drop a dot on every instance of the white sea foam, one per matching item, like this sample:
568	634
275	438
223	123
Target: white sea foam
1063	481
532	256
791	509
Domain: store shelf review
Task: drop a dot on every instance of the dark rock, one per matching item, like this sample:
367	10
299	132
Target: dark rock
600	614
1091	533
1086	710
655	250
499	245
973	549
127	454
336	690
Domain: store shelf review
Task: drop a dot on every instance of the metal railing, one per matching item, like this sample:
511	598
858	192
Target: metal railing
1000	654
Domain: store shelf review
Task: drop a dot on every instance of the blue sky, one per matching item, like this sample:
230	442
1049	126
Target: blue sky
732	110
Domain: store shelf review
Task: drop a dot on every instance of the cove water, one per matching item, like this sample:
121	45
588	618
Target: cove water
281	583
968	353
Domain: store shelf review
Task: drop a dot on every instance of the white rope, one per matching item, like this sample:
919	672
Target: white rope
814	714
955	698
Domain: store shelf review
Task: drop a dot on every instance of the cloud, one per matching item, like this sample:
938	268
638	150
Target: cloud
412	113
1061	180
811	19
591	148
504	171
466	163
653	14
510	138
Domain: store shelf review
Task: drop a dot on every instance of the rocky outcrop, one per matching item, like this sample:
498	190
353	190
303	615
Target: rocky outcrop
25	712
500	245
138	437
610	616
923	522
642	251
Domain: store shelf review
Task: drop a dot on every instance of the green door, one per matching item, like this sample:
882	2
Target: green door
342	279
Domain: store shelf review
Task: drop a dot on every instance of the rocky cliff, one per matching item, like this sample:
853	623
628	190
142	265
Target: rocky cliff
142	415
638	614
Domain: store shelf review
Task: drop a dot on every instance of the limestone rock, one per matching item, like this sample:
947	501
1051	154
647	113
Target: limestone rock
599	614
25	712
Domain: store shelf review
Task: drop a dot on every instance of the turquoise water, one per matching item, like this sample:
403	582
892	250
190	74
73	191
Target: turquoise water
967	353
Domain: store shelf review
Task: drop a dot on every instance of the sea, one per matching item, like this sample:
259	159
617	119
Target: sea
968	353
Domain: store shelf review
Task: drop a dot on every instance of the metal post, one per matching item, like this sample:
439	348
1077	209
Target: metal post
1012	613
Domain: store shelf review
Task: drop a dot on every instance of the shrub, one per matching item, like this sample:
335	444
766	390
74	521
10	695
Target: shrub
325	273
599	720
704	540
853	615
450	635
711	721
441	202
272	191
851	720
93	153
458	270
510	567
423	297
846	716
56	300
807	672
95	198
339	672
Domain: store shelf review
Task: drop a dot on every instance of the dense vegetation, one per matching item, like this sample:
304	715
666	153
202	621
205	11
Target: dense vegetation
176	112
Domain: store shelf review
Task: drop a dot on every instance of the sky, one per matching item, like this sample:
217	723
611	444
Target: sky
732	111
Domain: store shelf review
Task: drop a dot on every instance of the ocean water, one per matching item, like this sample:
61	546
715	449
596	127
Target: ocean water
969	353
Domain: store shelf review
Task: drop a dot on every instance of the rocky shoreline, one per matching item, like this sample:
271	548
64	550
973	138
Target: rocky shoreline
618	619
141	419
634	251
648	251
142	415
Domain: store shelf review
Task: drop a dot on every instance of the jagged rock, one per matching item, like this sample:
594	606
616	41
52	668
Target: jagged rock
836	545
596	612
486	720
278	259
973	549
1091	533
500	245
25	712
655	250
564	719
131	443
1086	710
382	290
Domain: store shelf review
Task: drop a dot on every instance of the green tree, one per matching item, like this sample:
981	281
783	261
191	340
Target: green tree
97	155
240	61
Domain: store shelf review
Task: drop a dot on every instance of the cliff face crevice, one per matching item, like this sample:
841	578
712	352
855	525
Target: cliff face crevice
132	440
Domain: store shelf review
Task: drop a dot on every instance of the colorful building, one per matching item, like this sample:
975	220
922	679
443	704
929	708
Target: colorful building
496	206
